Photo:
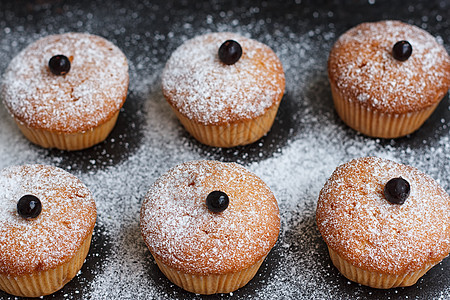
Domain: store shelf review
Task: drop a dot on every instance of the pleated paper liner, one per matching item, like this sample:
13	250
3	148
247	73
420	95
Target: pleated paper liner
69	141
48	281
230	135
209	284
378	124
374	279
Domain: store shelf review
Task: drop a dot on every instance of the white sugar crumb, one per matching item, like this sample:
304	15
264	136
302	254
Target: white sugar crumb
295	170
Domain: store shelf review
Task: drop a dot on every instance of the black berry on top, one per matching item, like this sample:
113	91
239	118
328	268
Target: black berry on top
217	201
396	190
402	50
59	64
29	206
230	52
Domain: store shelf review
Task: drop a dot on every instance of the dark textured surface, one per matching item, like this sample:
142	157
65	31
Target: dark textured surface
148	32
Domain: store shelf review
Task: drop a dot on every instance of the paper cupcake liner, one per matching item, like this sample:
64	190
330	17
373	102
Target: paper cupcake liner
48	281
68	141
378	124
375	279
230	135
209	284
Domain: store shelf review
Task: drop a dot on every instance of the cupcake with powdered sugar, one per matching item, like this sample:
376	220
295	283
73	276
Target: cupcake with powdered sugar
209	225
387	77
47	218
385	223
65	91
224	88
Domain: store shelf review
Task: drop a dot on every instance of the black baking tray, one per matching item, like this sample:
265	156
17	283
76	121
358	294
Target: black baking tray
22	22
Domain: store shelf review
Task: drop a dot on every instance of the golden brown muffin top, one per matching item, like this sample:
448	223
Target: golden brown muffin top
92	91
205	90
51	239
179	229
357	221
362	66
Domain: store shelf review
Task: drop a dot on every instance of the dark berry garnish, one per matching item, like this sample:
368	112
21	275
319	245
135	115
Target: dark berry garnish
397	190
230	52
402	50
29	206
59	64
217	201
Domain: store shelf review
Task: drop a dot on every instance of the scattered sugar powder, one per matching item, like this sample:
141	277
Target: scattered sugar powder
294	163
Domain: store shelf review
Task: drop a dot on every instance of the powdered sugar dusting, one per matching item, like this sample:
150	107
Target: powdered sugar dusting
181	231
206	90
363	67
358	222
67	218
87	96
307	142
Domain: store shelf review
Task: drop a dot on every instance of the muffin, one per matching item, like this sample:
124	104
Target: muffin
65	91
224	88
47	217
387	77
209	225
385	224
